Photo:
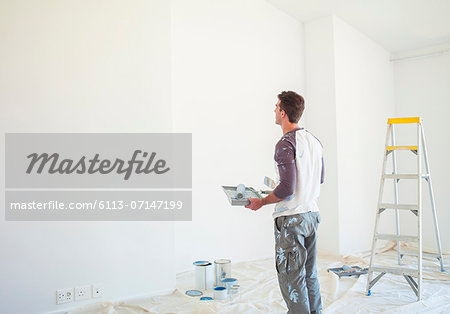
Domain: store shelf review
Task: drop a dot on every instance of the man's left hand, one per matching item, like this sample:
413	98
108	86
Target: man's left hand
255	203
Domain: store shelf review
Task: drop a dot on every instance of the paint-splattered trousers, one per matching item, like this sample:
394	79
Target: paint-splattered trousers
295	247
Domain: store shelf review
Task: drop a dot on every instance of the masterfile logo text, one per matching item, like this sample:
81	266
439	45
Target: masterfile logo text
54	164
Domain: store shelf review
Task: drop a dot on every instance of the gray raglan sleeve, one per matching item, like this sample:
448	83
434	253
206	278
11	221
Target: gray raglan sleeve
285	159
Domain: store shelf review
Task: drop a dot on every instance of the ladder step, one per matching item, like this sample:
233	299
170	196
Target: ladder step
423	254
389	148
404	120
395	237
395	270
404	176
399	206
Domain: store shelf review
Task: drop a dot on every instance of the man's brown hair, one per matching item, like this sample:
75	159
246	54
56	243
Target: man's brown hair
293	104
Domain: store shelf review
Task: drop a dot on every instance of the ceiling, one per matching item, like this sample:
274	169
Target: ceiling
397	25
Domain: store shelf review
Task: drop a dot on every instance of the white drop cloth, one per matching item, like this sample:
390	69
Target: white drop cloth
260	292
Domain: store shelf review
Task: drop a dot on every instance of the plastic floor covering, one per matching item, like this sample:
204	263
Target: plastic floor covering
260	292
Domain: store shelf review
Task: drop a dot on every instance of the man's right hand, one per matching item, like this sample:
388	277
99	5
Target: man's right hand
255	203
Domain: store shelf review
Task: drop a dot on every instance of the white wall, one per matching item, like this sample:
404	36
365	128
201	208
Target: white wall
350	88
422	89
364	101
83	66
230	60
320	114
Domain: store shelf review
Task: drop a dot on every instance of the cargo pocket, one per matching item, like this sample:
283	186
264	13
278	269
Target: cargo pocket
292	261
286	260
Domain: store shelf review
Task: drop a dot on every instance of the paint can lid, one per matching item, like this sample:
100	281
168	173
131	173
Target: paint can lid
206	298
194	293
201	263
222	261
229	279
220	288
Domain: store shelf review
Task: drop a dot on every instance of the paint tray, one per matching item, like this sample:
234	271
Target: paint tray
358	271
230	191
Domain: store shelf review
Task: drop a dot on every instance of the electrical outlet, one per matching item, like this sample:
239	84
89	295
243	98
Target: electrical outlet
82	293
64	295
97	290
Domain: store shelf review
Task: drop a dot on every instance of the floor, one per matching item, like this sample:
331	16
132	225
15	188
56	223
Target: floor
260	292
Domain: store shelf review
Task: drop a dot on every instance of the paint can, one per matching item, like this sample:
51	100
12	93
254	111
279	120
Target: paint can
235	293
220	293
203	275
228	283
222	269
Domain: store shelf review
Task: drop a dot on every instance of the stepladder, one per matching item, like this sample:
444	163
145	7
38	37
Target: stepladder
413	274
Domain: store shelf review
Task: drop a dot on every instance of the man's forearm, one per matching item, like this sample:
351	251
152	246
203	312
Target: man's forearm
270	199
257	203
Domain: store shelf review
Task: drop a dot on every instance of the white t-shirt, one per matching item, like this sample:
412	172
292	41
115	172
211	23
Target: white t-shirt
300	170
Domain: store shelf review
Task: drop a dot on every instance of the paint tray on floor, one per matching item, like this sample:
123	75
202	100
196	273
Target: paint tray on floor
238	197
348	271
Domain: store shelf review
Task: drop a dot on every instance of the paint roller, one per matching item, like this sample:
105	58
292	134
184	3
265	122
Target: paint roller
270	182
240	191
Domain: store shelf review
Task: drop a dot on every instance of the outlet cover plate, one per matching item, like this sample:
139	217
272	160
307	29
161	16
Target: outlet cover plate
97	290
64	295
82	293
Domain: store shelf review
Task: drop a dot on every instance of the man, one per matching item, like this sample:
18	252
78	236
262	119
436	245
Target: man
299	165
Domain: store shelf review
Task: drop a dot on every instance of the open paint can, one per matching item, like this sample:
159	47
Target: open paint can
203	275
222	269
220	293
228	283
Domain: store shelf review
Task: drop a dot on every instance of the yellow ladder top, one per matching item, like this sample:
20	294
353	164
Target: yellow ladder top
404	120
390	148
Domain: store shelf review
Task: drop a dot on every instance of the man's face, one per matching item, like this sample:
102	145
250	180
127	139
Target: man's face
277	113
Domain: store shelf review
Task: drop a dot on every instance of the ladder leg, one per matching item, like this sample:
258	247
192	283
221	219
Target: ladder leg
397	218
433	208
373	282
412	283
372	256
377	218
419	212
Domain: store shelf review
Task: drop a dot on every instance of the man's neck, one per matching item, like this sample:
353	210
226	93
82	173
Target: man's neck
289	127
